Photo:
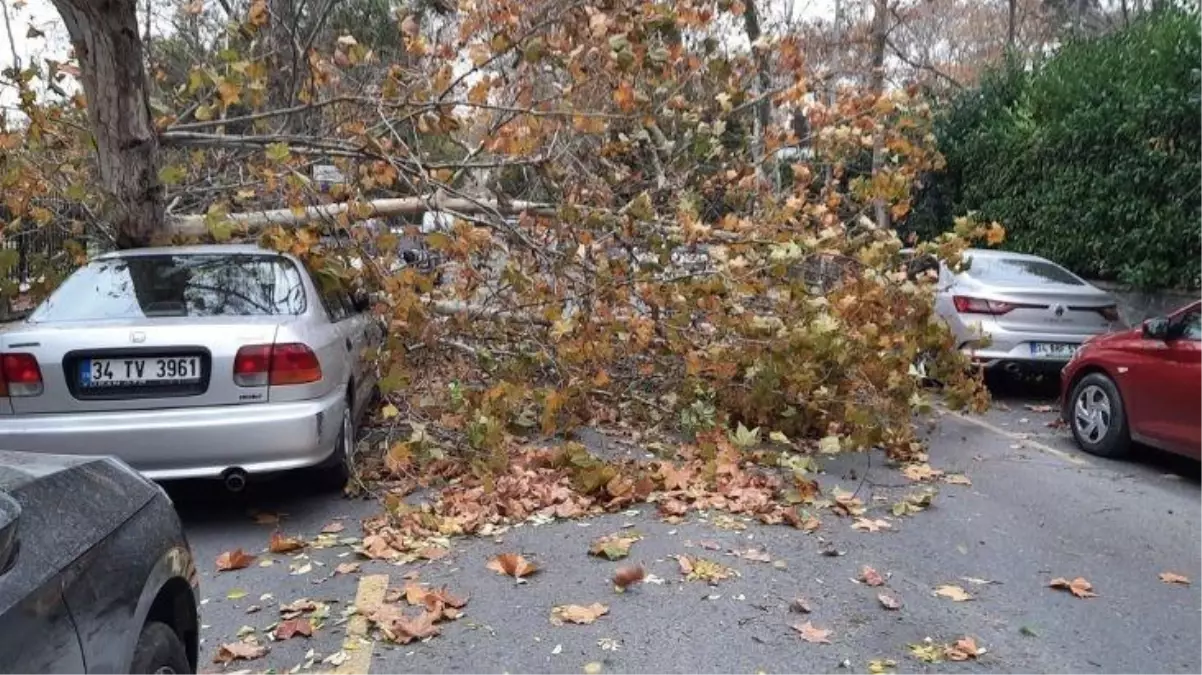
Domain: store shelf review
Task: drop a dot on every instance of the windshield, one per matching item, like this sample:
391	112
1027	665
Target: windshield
197	285
1020	272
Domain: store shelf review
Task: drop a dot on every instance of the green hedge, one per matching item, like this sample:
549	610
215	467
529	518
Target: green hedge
1092	158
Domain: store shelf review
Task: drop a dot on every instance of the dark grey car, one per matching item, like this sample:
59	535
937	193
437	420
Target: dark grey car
95	573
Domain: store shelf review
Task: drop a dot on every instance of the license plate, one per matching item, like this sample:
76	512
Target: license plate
136	371
1054	350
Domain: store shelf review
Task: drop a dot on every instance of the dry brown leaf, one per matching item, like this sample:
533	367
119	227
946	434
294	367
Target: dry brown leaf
871	576
292	627
281	543
235	651
333	527
398	627
956	479
800	605
578	614
628	576
889	601
953	593
709	545
234	560
920	472
870	525
613	546
346	568
513	565
700	569
433	553
1174	578
847	504
811	633
964	649
1078	587
377	547
1040	408
753	554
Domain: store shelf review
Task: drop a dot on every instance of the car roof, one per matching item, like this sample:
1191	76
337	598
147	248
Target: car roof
993	253
199	249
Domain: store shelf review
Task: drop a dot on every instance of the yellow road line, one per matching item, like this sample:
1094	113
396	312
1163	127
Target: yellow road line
369	595
1068	457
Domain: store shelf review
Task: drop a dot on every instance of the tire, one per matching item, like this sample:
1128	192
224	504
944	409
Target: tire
334	472
1097	417
159	650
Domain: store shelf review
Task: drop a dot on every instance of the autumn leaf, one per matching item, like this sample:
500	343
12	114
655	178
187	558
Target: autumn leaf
753	554
293	627
995	234
1078	587
239	651
811	633
333	527
889	601
870	525
953	593
234	560
700	569
613	546
871	577
927	653
512	564
432	553
921	472
1174	578
956	479
346	568
963	649
880	666
578	614
284	544
401	628
628	576
297	607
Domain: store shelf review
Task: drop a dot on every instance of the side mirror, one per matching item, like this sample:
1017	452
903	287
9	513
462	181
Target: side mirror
1156	329
10	519
360	301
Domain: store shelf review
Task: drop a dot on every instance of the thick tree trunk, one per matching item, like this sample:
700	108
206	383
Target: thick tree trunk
1011	19
880	36
105	36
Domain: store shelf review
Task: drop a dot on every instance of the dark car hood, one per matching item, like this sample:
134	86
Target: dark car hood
68	504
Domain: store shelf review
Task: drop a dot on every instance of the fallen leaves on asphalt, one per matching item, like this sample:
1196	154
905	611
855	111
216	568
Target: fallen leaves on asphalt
239	651
1040	408
628	576
811	633
921	472
870	525
347	568
333	527
281	543
700	569
953	593
433	552
578	614
879	666
402	628
962	650
1078	587
800	605
297	607
513	565
927	653
234	560
956	479
1174	578
753	554
889	601
847	504
614	546
293	627
871	577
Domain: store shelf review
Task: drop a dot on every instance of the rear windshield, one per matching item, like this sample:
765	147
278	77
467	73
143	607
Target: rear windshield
1020	272
199	285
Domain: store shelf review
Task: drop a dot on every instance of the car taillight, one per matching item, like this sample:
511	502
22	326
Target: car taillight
20	375
967	305
290	363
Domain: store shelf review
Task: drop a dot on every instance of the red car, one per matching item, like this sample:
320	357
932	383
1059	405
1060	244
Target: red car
1142	385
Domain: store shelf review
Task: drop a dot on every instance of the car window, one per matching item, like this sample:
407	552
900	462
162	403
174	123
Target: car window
182	285
1191	325
1020	272
336	301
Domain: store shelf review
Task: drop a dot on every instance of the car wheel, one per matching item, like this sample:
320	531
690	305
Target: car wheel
335	471
159	650
1097	417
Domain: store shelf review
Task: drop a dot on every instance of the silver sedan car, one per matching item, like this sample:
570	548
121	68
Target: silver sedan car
192	362
1017	311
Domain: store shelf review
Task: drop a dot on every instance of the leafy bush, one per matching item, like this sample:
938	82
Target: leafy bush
1091	158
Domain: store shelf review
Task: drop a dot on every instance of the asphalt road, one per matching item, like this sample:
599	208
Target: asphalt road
1036	509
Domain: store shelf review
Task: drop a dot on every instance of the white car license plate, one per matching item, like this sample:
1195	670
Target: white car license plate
134	371
1053	350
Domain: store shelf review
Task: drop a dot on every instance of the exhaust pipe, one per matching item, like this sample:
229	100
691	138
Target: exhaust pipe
235	480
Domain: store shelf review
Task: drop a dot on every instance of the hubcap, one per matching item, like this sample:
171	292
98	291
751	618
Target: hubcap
1091	414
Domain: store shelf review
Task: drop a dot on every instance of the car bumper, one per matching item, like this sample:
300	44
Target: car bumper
1005	348
189	442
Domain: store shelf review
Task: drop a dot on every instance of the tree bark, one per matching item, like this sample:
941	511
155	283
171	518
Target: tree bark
880	37
1010	23
105	36
751	23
